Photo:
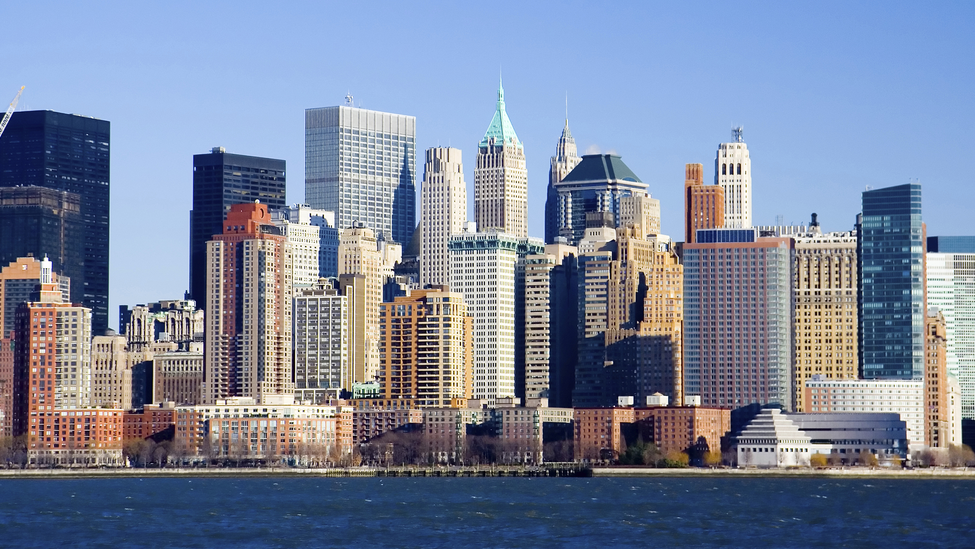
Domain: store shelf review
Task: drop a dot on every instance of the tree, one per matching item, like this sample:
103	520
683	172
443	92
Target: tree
835	460
961	456
136	452
867	458
208	449
712	458
675	459
818	461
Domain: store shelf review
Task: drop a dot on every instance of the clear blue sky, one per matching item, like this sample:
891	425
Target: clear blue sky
833	96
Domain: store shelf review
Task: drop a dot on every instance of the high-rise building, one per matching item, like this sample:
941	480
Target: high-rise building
427	348
501	177
484	269
597	184
19	283
69	153
321	338
248	323
540	295
55	374
645	320
220	180
565	160
738	305
640	209
111	372
733	172
891	296
359	255
443	212
825	282
703	204
361	165
44	222
937	413
362	353
314	241
950	271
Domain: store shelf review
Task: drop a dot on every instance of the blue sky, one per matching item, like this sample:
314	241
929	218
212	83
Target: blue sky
833	96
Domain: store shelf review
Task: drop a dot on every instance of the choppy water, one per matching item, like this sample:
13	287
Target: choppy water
486	512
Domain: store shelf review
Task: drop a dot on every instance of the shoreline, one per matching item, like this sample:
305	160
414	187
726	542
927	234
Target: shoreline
485	472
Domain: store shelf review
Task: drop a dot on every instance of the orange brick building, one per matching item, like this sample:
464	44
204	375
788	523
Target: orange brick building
151	419
601	431
703	204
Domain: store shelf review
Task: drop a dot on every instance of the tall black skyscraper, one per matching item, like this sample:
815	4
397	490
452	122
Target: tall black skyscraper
221	179
67	152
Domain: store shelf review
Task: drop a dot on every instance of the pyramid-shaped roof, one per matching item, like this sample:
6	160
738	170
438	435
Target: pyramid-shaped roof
500	129
601	167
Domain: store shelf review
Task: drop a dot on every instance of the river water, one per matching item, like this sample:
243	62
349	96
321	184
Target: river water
486	512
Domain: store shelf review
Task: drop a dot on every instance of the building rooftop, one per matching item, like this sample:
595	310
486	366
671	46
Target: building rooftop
500	129
601	167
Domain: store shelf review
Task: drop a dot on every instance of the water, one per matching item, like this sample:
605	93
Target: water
485	512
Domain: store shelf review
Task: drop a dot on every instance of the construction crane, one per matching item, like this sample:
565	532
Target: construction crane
10	110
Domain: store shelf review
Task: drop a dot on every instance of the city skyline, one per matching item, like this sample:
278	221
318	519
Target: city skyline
831	101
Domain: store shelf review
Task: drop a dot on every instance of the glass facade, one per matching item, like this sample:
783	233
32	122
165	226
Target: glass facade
360	164
221	179
68	152
891	287
951	244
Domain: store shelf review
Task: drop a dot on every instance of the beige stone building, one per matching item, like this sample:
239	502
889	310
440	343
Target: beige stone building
825	283
501	178
359	255
443	212
178	376
538	336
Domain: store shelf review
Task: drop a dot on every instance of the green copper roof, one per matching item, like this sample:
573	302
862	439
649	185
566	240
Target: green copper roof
500	129
601	167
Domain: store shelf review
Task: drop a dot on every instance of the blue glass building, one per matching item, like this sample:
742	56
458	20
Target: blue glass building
220	180
890	291
68	153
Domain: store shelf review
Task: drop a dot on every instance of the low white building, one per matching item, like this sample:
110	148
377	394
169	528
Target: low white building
871	395
773	440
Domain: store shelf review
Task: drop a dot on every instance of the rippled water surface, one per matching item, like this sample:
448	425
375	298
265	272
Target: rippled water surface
486	512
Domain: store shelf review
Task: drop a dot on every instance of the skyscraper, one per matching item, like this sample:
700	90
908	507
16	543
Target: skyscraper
44	222
597	184
443	212
359	255
220	180
67	152
360	164
891	287
484	269
565	160
733	172
703	204
950	272
738	305
540	295
248	319
501	177
825	283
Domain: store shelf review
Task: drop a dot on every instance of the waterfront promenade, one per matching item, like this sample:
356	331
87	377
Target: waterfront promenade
562	470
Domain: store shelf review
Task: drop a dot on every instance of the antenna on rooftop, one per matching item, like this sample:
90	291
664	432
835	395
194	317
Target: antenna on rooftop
736	133
348	99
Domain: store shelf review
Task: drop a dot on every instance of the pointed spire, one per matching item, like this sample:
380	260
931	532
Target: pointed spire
500	128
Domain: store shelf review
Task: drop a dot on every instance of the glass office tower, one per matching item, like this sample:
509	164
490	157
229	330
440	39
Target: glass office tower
360	165
67	152
220	180
891	287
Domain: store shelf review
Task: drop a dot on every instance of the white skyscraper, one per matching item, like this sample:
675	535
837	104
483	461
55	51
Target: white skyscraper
501	177
484	269
733	171
443	212
321	336
950	269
